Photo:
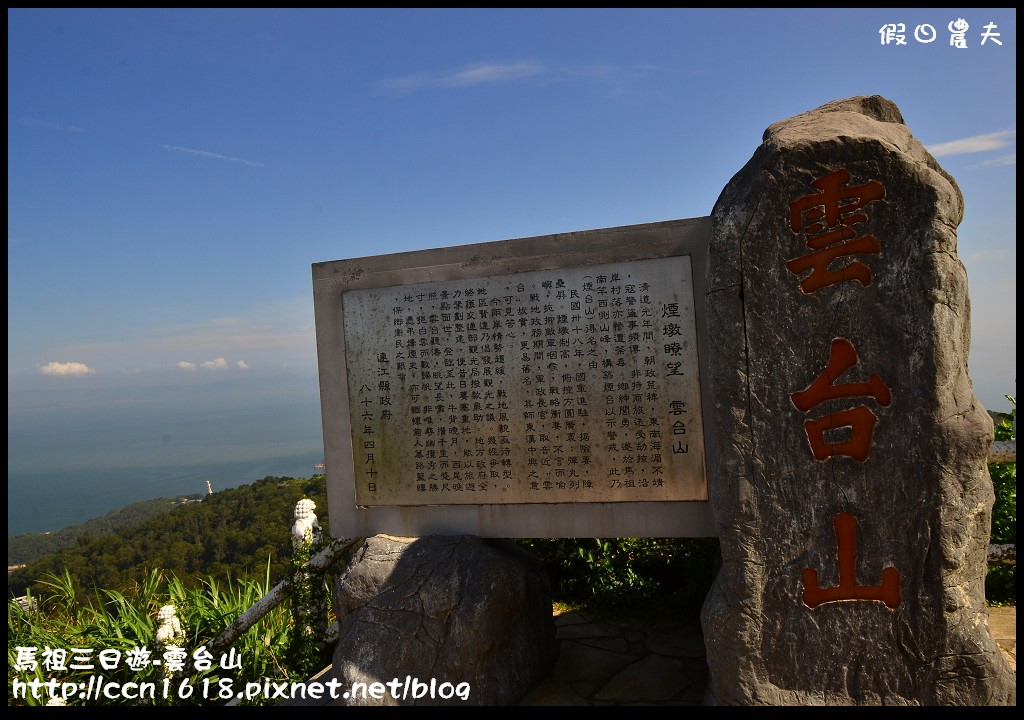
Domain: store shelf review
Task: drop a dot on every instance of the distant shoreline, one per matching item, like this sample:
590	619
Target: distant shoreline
51	500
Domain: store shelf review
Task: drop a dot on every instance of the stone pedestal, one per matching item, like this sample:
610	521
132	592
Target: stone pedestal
472	617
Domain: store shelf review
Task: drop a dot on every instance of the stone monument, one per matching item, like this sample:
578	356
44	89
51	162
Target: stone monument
850	486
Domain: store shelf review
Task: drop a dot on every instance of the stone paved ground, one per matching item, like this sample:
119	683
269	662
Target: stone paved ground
621	663
1003	621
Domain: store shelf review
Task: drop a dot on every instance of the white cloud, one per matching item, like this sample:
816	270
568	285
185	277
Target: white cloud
131	371
218	364
464	77
981	255
33	122
211	155
227	321
1010	159
68	368
975	144
242	365
484	73
264	336
617	77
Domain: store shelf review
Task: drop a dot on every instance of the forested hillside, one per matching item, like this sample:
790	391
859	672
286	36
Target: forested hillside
232	532
25	548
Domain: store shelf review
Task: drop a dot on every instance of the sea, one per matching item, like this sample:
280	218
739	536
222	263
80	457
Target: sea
82	460
49	500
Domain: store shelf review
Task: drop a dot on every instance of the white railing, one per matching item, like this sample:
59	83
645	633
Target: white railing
279	593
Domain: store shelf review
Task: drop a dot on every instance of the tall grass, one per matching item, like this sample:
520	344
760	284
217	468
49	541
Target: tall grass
126	622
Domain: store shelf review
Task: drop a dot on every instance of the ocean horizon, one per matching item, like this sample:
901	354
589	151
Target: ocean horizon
50	500
77	454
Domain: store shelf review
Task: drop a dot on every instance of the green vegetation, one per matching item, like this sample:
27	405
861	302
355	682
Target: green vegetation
125	622
640	576
69	608
636	577
243	534
1001	581
309	604
22	549
229	533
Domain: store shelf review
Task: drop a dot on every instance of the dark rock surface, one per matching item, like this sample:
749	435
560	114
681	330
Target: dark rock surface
624	662
917	493
453	609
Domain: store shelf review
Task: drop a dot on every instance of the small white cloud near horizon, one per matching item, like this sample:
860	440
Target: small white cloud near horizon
266	335
218	364
976	143
242	365
68	368
211	155
131	371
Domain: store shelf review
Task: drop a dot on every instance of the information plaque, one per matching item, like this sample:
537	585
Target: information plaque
545	386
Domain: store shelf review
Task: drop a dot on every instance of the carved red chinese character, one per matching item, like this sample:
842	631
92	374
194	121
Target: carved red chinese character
848	589
861	421
828	217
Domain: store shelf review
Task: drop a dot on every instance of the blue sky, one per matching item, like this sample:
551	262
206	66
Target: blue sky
172	174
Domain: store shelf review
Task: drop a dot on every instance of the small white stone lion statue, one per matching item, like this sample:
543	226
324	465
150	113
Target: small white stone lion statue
306	528
169	628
